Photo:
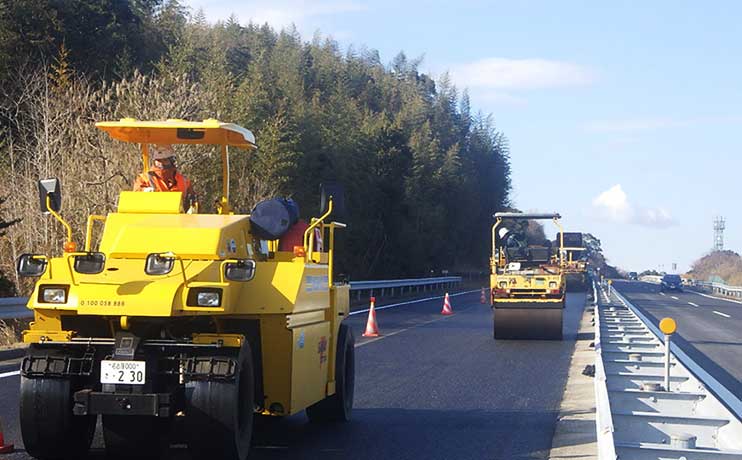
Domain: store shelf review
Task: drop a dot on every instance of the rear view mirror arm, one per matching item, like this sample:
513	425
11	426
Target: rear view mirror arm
58	217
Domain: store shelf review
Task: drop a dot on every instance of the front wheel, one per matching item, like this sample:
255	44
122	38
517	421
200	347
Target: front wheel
339	406
49	429
220	414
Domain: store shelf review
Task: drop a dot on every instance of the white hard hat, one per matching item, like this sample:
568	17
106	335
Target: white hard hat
162	151
503	231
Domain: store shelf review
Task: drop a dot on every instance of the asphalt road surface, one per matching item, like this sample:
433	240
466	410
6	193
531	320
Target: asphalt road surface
432	387
709	329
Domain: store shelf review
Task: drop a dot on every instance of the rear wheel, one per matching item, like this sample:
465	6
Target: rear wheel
49	429
136	436
339	406
220	414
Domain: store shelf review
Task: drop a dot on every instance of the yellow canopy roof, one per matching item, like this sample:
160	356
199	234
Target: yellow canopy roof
179	132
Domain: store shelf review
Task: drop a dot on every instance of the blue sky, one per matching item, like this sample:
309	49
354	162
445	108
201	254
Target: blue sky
623	116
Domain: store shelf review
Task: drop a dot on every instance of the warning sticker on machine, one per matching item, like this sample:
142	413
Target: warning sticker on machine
322	350
317	284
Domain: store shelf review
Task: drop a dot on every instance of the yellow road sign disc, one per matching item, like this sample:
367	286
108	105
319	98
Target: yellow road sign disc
668	326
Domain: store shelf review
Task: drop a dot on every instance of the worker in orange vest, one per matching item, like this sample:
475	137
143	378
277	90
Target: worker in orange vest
164	176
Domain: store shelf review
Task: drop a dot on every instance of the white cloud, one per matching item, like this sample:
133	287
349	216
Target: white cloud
613	205
521	74
277	13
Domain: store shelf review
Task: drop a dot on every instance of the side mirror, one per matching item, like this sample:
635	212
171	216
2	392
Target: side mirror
243	270
90	264
336	192
159	264
52	189
31	265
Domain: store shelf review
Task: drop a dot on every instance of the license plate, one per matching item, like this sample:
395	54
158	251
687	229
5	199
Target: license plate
123	372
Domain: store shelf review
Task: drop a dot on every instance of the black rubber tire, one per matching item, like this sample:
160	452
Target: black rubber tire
49	429
220	415
338	407
136	436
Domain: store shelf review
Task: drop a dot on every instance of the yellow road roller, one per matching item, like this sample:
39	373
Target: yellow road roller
527	282
201	322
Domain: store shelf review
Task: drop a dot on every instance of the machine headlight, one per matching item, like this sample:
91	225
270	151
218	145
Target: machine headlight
552	284
55	294
503	284
159	264
205	297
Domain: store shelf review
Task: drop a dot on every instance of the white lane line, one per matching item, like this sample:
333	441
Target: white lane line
691	303
384	307
722	314
383	336
9	374
717	298
673	297
662	293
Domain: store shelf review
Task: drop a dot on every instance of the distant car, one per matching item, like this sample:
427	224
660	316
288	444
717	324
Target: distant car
671	283
633	276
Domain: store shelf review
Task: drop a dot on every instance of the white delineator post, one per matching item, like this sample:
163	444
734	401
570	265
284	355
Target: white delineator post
668	327
667	362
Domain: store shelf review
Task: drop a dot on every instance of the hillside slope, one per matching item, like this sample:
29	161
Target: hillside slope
727	265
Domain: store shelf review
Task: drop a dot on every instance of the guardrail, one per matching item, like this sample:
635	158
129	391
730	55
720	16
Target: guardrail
651	279
710	288
603	419
403	285
720	289
15	307
691	416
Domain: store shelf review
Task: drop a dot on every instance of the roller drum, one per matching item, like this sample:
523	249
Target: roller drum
531	320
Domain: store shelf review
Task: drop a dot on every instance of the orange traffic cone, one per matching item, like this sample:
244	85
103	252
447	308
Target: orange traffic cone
372	329
4	448
446	306
482	299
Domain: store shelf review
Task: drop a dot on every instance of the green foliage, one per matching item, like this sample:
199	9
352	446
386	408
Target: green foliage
596	258
423	175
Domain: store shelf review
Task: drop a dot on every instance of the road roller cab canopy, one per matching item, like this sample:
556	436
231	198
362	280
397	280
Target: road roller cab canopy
536	255
175	131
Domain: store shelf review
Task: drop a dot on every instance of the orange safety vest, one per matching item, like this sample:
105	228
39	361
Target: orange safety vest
151	179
